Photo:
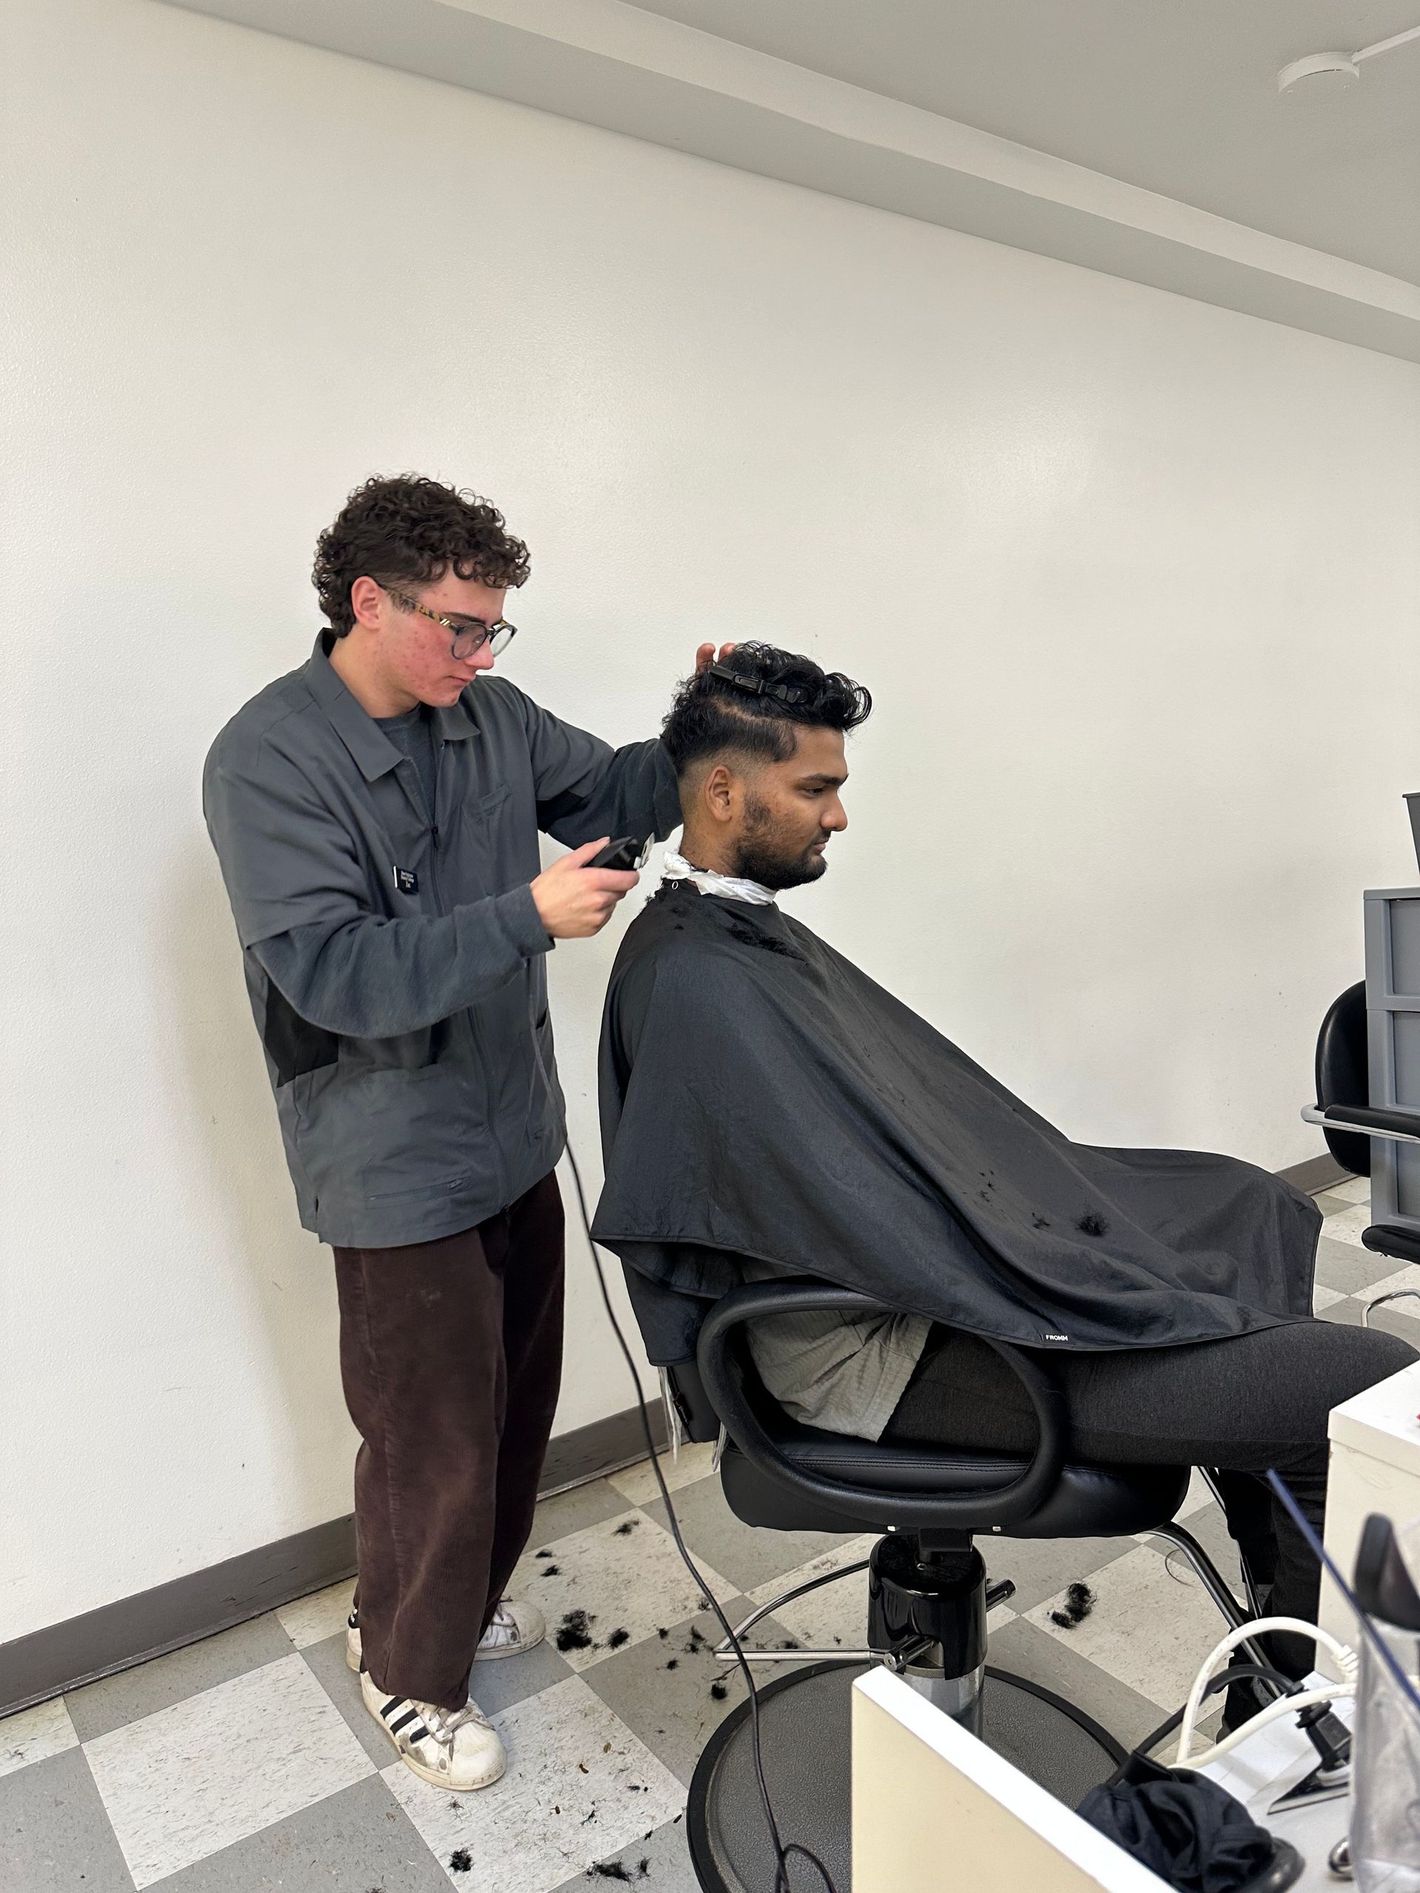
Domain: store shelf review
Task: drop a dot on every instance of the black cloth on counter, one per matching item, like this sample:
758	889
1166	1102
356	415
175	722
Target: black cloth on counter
1193	1834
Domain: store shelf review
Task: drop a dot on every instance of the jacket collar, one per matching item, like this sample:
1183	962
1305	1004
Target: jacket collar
375	755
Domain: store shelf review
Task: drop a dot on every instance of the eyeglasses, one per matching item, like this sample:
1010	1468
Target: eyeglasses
469	636
756	687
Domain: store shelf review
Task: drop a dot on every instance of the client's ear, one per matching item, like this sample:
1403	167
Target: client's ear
719	793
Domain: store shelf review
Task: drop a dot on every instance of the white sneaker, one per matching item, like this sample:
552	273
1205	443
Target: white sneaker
514	1628
457	1749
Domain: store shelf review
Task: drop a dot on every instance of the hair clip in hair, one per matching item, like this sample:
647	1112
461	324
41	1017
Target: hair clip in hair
757	687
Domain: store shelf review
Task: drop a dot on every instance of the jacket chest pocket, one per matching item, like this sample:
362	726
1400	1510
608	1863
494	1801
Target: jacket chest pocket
487	808
500	840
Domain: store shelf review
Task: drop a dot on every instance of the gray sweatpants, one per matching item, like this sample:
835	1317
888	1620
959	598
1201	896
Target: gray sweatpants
1239	1406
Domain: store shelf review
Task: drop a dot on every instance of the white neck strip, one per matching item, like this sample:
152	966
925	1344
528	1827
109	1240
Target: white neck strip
675	867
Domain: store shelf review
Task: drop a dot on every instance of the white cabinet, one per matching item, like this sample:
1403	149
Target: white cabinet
1375	1467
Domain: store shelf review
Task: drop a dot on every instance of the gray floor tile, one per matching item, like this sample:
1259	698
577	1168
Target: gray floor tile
662	1859
1347	1311
1039	1567
672	1710
1352	1310
747	1555
1347	1267
498	1685
1332	1205
326	1660
357	1841
572	1511
1027	1651
100	1707
54	1834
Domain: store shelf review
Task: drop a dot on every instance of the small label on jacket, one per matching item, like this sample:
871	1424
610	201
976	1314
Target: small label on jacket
1055	1337
406	880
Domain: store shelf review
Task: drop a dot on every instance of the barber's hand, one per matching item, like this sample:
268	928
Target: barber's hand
575	901
707	655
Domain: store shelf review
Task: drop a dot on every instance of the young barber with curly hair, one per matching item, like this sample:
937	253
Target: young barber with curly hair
376	814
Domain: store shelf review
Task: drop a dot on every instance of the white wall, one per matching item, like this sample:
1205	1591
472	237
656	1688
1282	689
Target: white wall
1133	580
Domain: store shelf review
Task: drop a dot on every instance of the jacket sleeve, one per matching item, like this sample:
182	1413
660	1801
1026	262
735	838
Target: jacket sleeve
301	904
585	788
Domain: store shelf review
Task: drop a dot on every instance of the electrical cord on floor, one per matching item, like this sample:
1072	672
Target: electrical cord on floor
782	1849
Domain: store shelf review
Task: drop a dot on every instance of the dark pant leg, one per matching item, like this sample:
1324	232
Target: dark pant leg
421	1355
528	1254
1243	1405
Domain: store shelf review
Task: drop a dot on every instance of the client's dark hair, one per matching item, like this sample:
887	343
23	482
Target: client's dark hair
409	531
755	708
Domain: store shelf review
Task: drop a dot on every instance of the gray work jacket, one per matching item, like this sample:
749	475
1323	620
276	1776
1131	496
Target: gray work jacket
395	966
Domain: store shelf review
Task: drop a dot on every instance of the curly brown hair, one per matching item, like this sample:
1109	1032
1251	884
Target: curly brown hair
409	531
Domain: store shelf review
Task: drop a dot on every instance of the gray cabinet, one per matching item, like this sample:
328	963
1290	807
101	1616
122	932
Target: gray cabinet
1393	1047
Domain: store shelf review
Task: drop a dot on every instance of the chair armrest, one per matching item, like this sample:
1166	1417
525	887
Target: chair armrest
724	1366
1391	1121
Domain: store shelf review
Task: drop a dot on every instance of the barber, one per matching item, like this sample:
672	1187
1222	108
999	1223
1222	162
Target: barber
376	815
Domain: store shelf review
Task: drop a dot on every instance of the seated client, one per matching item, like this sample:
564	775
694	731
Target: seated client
767	1110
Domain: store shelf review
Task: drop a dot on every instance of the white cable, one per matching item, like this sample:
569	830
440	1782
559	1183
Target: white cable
1278	1711
1289	1705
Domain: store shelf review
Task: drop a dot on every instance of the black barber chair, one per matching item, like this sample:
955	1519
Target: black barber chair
927	1590
1349	1121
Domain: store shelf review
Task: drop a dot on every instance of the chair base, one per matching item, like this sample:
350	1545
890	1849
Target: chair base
805	1729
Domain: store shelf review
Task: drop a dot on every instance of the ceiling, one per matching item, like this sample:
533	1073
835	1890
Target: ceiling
1141	138
1176	96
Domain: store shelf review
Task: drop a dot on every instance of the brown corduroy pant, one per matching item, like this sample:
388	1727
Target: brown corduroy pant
451	1356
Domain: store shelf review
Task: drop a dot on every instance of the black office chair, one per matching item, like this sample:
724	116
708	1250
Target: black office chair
1348	1119
928	1593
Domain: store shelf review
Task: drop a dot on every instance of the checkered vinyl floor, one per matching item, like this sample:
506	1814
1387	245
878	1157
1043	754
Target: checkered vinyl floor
248	1762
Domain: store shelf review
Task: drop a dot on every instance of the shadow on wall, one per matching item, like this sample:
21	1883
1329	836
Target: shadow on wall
261	1252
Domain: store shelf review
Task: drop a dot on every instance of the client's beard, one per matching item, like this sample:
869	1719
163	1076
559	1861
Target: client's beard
765	857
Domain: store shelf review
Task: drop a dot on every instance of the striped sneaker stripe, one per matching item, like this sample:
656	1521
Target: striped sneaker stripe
411	1719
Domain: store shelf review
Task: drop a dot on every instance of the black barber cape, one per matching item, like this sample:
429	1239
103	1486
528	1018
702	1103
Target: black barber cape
760	1096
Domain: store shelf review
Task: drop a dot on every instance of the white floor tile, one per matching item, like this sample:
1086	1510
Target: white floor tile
1346	1225
849	1553
1147	1628
579	1787
631	1580
312	1619
1328	1297
35	1734
207	1772
638	1483
1353	1190
834	1610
